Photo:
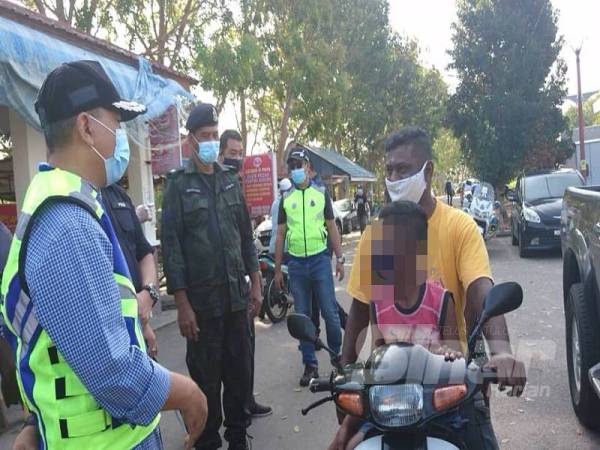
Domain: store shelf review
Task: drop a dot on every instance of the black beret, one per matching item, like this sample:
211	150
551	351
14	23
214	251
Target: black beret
203	115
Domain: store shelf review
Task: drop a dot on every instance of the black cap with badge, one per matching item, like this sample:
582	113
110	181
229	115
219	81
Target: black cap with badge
298	154
203	115
80	86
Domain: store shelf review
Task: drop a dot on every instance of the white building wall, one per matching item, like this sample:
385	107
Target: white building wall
29	149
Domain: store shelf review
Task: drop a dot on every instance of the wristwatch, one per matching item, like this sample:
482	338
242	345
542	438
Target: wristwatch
341	259
154	294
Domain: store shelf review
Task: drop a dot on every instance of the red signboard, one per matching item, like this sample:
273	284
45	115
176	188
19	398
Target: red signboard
257	178
164	141
8	216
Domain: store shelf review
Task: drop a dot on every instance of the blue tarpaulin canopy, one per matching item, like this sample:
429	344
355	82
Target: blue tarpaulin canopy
28	55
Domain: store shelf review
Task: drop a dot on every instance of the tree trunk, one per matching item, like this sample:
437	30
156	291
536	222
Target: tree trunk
40	6
243	121
60	12
161	38
283	132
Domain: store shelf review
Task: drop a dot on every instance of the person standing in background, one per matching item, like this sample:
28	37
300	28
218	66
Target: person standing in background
208	249
139	255
231	154
231	151
284	186
306	212
362	204
449	191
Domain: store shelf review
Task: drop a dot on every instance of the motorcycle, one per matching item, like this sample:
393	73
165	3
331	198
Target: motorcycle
484	210
409	394
276	302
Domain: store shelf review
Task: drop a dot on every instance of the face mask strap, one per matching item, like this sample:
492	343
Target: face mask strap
98	153
96	120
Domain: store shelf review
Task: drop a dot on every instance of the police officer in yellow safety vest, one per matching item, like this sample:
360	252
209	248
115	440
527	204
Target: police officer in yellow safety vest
305	220
67	298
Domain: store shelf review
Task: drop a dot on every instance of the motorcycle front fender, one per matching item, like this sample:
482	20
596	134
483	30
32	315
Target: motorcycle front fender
376	443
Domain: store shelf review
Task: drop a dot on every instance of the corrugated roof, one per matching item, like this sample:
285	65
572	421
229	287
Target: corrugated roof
353	170
584	96
62	31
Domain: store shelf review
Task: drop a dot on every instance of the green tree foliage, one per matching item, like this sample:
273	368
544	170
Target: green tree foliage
386	86
448	159
231	60
317	71
512	82
589	116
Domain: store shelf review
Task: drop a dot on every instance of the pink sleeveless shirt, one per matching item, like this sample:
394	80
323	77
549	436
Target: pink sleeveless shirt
418	326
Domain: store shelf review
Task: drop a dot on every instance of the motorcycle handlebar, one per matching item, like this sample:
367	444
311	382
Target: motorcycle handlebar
320	385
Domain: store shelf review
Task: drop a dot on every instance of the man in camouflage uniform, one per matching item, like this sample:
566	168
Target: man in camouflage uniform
208	249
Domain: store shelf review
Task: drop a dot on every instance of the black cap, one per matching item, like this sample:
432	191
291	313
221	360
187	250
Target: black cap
203	115
80	86
298	154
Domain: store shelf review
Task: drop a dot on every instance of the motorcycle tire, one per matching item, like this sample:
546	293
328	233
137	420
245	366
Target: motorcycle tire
581	326
276	303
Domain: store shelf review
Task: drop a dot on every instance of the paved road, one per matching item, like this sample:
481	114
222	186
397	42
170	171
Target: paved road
542	419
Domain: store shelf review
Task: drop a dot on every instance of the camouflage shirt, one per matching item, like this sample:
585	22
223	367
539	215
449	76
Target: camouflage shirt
206	238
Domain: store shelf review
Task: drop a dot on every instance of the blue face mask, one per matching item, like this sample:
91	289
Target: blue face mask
208	151
298	175
116	165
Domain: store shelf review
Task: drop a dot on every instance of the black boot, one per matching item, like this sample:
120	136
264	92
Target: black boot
309	373
258	410
240	444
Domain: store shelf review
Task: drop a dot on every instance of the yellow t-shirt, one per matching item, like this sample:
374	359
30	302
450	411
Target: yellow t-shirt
456	256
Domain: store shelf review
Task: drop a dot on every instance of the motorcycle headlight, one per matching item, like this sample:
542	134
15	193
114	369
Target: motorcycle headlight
397	405
530	215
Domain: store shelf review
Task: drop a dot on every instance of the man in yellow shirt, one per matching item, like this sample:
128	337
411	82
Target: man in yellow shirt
457	257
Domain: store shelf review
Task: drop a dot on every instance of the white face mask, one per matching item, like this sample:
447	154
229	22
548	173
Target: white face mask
408	189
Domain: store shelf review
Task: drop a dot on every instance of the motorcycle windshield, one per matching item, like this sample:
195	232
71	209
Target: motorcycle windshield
407	363
484	192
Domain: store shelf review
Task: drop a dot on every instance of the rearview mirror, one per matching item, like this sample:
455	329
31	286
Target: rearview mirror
301	327
502	299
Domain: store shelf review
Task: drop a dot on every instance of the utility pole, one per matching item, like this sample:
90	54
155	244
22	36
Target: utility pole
582	162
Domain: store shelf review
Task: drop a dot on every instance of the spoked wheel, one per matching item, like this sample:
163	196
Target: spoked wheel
276	302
